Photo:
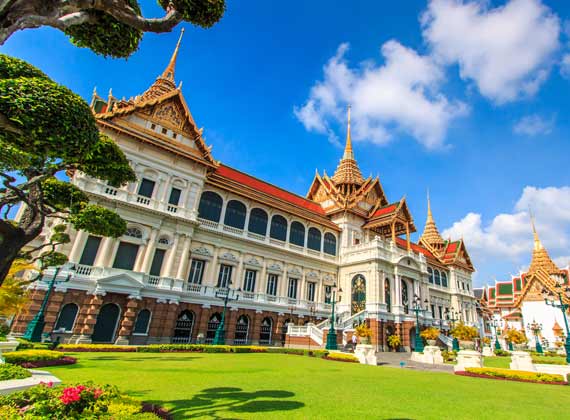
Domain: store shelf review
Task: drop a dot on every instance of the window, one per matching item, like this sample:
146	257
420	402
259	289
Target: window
153	126
157	260
272	284
467	286
328	294
173	135
225	275
443	279
142	322
210	207
330	244
311	287
235	214
278	228
126	256
196	272
265	332
164	241
430	274
134	232
405	297
174	198
387	294
432	311
437	278
183	328
242	330
164	130
292	290
297	234
440	309
314	240
90	250
249	282
66	318
258	222
146	188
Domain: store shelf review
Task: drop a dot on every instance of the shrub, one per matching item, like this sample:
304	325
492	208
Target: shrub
394	341
464	332
9	371
515	336
363	331
501	353
486	341
430	333
19	357
342	357
25	345
95	347
517	375
548	360
449	356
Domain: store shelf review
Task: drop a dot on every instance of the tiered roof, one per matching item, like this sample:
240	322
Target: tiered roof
431	235
347	172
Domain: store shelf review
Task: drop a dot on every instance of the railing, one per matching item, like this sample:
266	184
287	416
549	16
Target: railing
448	341
83	270
143	200
194	288
208	223
308	330
233	230
171	208
111	191
153	280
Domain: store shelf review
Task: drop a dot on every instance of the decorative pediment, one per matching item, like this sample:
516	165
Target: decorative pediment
122	280
228	256
202	251
253	261
170	114
274	267
312	275
294	271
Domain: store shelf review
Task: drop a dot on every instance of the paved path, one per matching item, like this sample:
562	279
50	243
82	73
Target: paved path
397	359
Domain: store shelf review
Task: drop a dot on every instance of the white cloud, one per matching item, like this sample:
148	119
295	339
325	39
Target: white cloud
402	94
533	125
507	51
509	235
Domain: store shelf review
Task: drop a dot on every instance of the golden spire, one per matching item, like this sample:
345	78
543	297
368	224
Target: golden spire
430	235
540	258
347	171
165	82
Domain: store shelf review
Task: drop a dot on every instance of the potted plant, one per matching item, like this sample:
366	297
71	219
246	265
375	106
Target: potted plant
486	341
518	338
430	334
394	342
364	333
465	334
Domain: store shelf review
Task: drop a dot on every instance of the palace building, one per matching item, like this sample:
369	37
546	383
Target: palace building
200	231
521	301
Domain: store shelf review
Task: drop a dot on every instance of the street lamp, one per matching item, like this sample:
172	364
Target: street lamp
36	326
417	309
224	293
549	299
452	316
331	336
536	328
496	325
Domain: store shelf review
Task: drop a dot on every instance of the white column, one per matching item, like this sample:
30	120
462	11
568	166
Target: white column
105	250
284	282
78	246
169	268
183	266
238	279
149	252
261	285
166	188
210	276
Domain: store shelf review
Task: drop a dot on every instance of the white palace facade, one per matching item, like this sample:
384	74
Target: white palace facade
197	227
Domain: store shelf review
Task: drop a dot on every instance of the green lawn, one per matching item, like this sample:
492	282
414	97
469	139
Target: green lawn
497	362
276	386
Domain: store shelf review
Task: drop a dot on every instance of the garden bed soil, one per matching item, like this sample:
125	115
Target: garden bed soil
477	375
65	360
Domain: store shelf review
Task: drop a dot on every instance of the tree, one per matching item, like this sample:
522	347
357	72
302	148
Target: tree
108	27
45	130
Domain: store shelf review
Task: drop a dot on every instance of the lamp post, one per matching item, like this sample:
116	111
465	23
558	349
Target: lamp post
550	299
496	325
417	309
452	316
224	293
536	328
36	326
332	336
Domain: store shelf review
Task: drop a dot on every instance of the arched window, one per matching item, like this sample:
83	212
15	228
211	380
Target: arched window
297	234
266	331
66	318
183	328
405	297
242	330
330	244
278	228
164	240
213	325
258	221
314	240
430	274
387	294
134	232
443	279
437	278
210	207
235	214
358	294
142	323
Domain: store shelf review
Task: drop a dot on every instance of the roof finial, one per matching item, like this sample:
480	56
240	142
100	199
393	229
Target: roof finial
537	243
348	153
429	215
169	71
540	258
430	234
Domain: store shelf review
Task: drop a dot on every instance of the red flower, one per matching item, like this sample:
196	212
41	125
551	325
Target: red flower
72	394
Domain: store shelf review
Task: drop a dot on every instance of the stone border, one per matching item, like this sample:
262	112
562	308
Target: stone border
38	376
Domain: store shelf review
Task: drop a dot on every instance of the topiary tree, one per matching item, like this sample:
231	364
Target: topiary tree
108	27
45	131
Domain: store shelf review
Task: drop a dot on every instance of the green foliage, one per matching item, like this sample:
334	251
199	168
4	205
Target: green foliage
516	374
105	160
430	333
107	36
515	336
204	13
464	332
501	353
9	371
19	357
548	360
96	348
62	195
394	341
449	356
53	259
363	330
25	345
12	68
342	357
99	221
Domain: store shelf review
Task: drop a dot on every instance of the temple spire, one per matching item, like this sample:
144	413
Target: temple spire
430	235
169	70
347	171
540	258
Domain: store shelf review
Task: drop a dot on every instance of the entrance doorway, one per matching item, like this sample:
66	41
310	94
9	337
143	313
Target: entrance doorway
106	325
183	328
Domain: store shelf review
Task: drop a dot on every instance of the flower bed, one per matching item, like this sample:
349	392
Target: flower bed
19	357
95	347
65	360
341	357
514	375
9	371
72	402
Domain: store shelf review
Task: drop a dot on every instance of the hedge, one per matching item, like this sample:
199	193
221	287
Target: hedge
549	360
9	371
38	358
95	348
342	357
515	375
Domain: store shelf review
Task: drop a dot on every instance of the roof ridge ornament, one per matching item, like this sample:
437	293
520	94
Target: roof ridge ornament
431	234
540	258
347	171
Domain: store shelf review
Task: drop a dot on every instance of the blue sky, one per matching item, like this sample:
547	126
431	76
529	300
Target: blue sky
467	99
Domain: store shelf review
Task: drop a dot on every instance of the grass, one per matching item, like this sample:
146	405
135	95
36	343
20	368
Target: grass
497	362
275	386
